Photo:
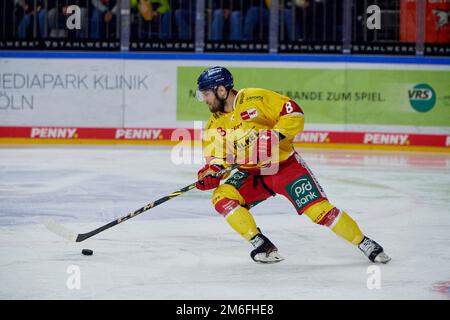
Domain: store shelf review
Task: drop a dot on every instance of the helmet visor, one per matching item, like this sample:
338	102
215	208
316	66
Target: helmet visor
200	95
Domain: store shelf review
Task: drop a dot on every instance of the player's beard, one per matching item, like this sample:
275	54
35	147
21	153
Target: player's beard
218	105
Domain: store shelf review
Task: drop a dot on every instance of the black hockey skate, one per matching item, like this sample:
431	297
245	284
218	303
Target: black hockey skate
373	251
265	251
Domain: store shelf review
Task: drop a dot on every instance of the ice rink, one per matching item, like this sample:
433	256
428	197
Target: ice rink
184	250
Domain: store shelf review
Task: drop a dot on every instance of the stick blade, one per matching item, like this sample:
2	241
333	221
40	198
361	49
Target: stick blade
60	230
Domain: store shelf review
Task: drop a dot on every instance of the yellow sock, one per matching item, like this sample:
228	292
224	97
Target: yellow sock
243	223
348	229
342	224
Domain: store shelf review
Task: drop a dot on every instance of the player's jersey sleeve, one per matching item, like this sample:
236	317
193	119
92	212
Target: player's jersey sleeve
213	141
290	120
286	113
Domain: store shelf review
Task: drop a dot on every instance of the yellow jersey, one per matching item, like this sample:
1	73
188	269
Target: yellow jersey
230	137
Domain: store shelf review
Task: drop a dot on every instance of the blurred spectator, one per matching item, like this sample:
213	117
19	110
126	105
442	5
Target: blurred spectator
7	12
25	13
300	21
227	11
290	15
104	14
257	18
185	18
50	15
153	18
313	20
233	20
57	18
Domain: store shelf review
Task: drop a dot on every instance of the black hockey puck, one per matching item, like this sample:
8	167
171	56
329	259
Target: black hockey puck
87	252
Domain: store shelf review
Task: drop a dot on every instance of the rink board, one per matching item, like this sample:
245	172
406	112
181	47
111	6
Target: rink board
174	136
351	102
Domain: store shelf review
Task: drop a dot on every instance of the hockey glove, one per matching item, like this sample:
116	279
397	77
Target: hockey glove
206	180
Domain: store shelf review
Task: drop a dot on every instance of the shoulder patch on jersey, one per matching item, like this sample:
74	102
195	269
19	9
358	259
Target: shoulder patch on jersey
249	114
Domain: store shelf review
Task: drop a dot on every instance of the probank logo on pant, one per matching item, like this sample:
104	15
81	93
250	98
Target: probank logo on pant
303	191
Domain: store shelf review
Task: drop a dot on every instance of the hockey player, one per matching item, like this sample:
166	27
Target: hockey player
255	128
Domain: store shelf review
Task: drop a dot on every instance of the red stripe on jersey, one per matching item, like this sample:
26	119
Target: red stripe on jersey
290	107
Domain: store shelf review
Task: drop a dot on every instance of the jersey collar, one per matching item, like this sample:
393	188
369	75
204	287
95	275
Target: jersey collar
236	96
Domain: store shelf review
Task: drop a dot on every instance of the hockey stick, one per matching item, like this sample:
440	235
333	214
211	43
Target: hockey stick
60	230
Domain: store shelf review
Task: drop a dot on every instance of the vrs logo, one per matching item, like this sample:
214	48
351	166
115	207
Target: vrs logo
422	97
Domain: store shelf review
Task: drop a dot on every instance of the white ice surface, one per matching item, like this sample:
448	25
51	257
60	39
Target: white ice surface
184	250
